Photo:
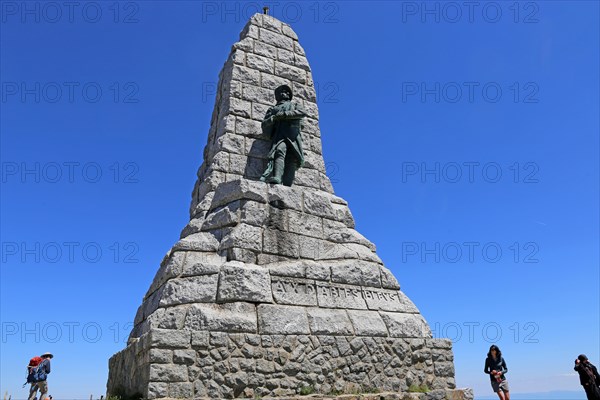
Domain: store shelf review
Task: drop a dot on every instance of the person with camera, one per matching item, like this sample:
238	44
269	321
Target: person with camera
495	366
588	377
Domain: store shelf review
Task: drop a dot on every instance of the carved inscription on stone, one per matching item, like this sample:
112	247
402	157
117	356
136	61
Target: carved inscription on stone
388	300
340	296
300	292
306	292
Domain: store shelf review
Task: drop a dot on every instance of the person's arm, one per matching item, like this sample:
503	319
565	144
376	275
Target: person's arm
47	366
486	369
297	112
268	122
504	368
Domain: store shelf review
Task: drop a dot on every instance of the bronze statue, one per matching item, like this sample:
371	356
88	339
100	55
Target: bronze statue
283	124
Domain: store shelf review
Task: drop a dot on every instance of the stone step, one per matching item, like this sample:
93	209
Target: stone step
452	394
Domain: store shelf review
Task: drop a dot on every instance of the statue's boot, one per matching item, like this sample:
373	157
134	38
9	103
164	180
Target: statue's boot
289	173
278	168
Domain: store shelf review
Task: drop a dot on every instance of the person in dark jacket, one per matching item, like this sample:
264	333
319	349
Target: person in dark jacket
588	377
42	385
495	366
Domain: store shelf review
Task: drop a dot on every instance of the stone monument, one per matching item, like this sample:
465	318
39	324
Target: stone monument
271	292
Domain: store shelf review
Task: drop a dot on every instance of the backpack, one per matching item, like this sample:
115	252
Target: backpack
35	361
35	370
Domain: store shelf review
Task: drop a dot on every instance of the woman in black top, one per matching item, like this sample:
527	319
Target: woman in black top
495	366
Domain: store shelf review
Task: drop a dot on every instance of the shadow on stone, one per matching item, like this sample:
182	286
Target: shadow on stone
257	162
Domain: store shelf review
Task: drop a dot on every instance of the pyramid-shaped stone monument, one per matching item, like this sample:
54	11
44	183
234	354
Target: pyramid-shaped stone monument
271	292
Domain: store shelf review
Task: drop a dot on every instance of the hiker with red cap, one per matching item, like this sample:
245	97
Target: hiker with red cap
37	374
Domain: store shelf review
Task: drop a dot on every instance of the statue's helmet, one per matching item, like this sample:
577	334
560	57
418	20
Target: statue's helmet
280	89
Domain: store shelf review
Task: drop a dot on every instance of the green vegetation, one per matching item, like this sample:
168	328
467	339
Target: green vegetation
353	389
371	390
136	396
418	389
306	390
119	394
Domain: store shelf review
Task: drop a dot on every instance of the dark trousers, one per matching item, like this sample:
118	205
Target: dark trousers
284	164
592	391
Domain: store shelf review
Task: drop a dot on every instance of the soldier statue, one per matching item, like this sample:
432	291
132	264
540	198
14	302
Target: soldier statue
283	124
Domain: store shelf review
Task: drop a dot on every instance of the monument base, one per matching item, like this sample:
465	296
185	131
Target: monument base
271	292
167	363
450	394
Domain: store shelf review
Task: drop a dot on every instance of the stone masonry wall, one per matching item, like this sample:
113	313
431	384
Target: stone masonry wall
214	365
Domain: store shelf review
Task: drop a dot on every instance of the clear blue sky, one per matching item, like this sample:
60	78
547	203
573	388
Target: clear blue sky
504	88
